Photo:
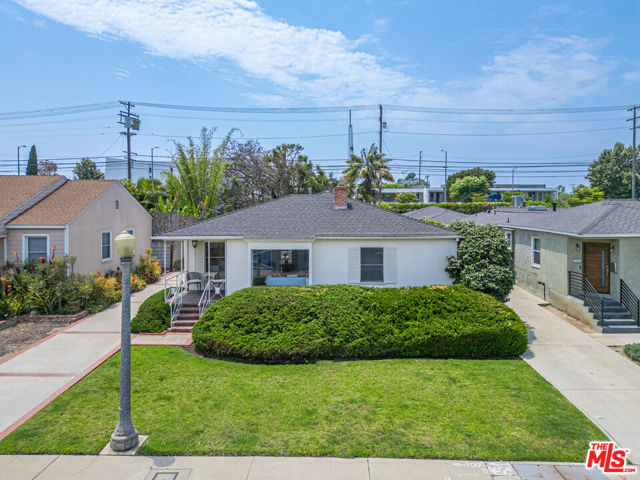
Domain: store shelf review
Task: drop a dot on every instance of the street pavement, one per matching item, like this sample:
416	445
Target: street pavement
602	383
73	467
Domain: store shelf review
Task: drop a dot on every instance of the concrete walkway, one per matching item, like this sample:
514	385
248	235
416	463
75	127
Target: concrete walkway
67	467
599	381
33	377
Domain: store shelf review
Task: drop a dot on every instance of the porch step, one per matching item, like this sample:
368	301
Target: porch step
621	329
180	330
184	323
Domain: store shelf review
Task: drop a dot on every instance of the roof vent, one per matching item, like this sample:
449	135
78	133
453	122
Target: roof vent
340	198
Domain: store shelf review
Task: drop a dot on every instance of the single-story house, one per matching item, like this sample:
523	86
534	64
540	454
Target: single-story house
584	260
313	239
45	215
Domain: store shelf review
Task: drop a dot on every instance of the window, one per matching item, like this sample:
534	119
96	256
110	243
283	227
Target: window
214	258
106	246
371	265
508	235
132	231
535	252
35	248
280	267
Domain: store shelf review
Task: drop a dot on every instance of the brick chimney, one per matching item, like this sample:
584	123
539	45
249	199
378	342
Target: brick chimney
340	197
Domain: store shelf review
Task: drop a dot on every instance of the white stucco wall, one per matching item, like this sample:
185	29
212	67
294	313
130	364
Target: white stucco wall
419	262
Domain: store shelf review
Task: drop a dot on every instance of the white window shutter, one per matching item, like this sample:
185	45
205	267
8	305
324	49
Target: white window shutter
390	270
354	265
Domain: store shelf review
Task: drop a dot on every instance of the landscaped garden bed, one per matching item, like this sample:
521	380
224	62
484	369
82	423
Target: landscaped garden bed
301	324
417	408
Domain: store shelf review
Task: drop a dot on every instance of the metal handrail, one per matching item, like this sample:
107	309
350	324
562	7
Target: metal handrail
175	296
588	293
630	301
205	298
178	285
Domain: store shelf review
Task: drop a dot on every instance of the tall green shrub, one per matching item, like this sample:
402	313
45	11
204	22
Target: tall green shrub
483	262
154	315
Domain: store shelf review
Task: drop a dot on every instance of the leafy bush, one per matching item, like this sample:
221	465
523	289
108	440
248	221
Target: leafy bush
148	268
297	324
469	208
406	197
154	315
484	262
633	351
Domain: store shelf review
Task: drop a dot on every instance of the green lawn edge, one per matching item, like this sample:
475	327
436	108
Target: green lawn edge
398	408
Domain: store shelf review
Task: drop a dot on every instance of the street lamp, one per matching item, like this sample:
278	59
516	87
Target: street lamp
152	149
125	436
445	174
21	146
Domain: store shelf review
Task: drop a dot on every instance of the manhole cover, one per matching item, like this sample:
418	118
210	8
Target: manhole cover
166	474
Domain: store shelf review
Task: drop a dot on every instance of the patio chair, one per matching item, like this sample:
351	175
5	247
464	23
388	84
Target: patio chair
194	278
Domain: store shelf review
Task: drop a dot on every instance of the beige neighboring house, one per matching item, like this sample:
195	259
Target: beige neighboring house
80	218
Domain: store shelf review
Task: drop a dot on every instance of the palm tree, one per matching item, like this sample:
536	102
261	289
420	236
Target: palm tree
365	175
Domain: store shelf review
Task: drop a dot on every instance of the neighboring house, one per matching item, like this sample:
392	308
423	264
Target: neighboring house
80	218
436	194
314	239
588	253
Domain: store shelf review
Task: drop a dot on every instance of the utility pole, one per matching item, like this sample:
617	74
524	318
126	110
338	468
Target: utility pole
445	174
131	121
634	109
420	167
350	137
21	146
152	149
380	136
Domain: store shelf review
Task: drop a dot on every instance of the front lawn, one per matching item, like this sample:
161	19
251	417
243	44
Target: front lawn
422	408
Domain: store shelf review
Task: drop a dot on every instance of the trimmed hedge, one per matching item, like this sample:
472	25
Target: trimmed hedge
469	207
633	351
298	324
154	315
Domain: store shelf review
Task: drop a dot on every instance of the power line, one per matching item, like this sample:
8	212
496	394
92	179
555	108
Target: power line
523	134
48	112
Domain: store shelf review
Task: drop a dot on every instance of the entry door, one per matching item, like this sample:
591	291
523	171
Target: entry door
596	265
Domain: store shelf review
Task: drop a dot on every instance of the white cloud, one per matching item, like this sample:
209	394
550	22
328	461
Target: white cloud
315	63
122	73
324	66
551	10
546	72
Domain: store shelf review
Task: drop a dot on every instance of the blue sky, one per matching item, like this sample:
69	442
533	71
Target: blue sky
274	53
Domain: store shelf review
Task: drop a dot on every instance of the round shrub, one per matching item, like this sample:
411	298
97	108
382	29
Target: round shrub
633	351
154	315
298	324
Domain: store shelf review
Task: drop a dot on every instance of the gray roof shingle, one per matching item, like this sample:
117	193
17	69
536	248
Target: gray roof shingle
306	217
607	217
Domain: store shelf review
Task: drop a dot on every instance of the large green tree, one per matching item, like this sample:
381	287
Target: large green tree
611	172
32	164
86	169
195	189
365	175
471	172
465	188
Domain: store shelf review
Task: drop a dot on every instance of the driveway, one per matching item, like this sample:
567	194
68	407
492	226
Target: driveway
33	377
599	381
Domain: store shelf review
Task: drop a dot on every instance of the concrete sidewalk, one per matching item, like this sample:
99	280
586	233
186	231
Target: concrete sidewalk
599	381
34	376
67	467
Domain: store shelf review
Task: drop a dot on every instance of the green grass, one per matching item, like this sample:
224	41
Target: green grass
420	408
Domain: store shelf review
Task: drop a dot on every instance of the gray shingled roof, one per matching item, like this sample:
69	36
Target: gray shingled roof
607	217
306	217
432	212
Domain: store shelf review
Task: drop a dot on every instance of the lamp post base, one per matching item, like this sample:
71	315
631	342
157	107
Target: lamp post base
123	441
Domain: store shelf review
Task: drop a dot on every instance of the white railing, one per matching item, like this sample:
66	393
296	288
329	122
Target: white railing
207	298
173	294
173	284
